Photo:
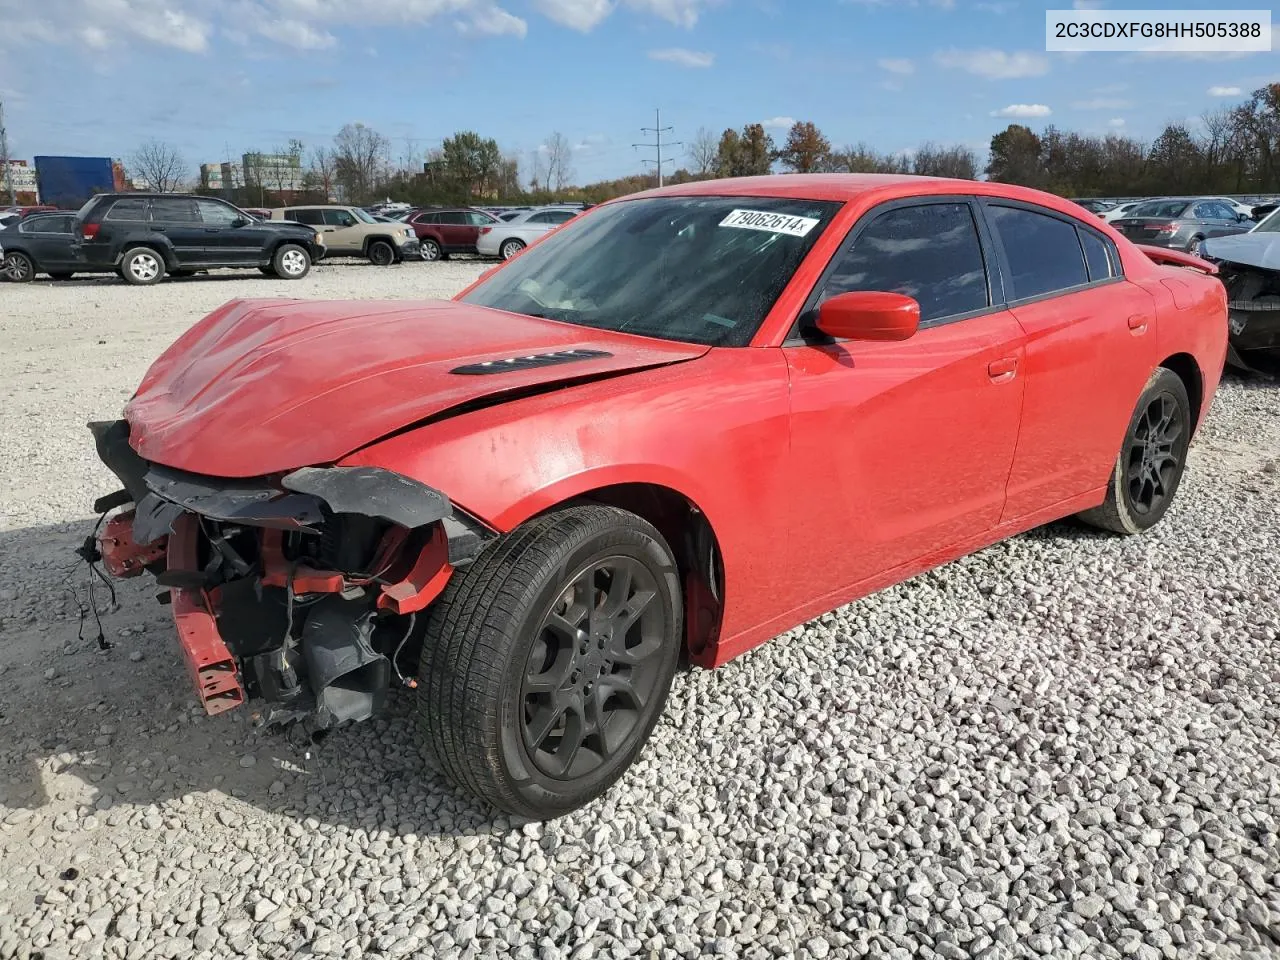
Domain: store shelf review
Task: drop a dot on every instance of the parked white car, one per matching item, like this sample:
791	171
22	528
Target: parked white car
507	239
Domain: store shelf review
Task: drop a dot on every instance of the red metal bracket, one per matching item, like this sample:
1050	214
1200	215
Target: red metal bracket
424	581
120	555
275	569
210	664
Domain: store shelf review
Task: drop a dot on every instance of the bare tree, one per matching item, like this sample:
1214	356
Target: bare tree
360	156
161	165
559	161
538	171
323	166
704	152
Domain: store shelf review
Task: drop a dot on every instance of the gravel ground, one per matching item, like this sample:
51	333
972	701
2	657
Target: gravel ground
1065	745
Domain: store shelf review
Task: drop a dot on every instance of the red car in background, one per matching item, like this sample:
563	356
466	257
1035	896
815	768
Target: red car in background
445	230
684	423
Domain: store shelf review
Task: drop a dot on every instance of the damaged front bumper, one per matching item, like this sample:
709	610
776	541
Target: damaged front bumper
299	590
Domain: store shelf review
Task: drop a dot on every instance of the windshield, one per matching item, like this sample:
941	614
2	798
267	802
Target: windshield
695	269
1160	208
1270	223
363	215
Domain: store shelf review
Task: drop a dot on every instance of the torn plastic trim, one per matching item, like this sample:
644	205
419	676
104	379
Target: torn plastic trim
372	492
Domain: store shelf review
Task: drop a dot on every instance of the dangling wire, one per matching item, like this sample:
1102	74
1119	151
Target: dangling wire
410	682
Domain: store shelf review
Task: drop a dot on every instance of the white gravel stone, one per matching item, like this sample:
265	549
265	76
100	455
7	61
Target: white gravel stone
1062	746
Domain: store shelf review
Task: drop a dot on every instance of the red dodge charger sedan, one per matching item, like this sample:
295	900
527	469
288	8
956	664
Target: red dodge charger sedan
684	422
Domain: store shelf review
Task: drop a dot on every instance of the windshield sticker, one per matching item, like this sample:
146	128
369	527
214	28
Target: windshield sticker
769	222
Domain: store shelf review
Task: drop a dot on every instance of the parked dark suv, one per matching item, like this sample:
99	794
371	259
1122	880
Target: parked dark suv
143	236
443	231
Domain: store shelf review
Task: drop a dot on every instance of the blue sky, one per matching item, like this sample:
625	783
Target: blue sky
221	77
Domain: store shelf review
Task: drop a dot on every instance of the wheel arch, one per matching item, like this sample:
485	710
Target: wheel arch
160	245
1188	371
371	240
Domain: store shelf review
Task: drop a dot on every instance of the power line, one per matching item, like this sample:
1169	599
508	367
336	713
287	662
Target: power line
658	130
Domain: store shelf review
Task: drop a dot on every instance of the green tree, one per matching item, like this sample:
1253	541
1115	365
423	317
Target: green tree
1015	157
806	149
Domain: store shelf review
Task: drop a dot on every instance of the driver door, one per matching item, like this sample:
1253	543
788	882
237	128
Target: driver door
902	450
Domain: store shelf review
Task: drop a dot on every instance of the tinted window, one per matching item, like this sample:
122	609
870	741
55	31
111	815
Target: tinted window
1160	208
174	210
217	214
129	209
929	252
427	218
1043	252
453	217
562	216
311	217
46	225
1095	255
341	218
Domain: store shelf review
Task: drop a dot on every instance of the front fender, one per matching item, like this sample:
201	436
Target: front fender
715	430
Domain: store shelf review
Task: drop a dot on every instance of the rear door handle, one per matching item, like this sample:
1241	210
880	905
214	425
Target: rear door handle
1138	324
1002	370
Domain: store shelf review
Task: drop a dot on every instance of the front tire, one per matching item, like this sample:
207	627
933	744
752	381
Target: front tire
1152	458
381	254
1196	246
142	266
430	250
548	661
510	248
291	262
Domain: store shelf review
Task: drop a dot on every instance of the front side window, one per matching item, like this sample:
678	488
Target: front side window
479	219
364	216
341	218
930	252
694	269
427	218
217	214
127	209
1043	252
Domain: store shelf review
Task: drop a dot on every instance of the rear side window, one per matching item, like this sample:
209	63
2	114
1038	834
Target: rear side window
453	217
127	209
1043	252
1095	255
46	225
313	218
929	252
174	210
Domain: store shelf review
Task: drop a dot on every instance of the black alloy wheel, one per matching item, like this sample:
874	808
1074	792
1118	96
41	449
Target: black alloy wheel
594	665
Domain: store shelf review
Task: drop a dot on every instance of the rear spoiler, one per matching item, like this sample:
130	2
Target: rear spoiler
1176	258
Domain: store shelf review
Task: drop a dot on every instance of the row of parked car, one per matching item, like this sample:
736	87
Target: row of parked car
145	237
1180	223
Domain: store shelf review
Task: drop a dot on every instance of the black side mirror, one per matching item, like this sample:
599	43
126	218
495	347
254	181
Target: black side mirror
240	221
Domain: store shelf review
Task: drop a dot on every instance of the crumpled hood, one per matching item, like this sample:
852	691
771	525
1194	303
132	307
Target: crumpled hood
260	386
1250	249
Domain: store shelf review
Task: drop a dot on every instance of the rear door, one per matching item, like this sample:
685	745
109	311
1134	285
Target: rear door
1090	346
49	240
455	225
177	219
902	450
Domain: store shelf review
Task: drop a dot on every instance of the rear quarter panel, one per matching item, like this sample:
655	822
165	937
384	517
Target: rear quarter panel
1192	311
713	429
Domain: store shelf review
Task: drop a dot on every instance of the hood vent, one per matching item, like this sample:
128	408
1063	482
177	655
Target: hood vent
528	362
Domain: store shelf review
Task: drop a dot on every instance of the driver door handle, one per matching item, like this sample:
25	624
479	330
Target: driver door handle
1002	370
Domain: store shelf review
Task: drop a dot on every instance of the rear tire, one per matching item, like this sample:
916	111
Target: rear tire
142	266
19	268
1148	471
291	262
381	254
510	248
547	662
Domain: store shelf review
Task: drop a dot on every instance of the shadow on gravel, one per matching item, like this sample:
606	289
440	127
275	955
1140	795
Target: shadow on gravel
120	728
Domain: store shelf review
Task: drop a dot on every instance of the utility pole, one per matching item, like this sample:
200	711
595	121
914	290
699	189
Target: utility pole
658	130
4	157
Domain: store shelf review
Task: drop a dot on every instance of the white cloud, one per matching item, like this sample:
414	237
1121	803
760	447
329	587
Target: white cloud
683	13
95	37
1115	123
493	22
581	15
1023	111
1225	92
779	123
995	64
901	67
1088	4
296	34
1101	103
685	58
